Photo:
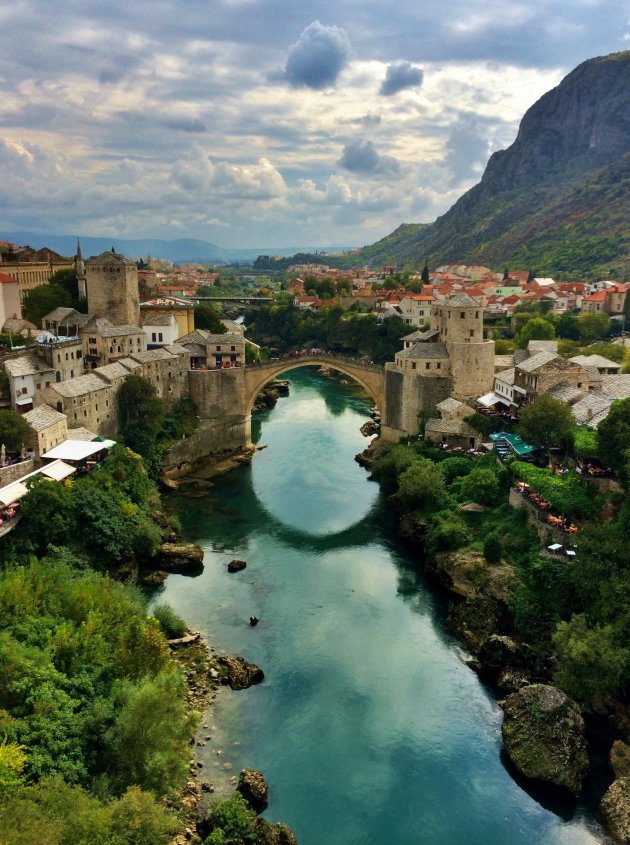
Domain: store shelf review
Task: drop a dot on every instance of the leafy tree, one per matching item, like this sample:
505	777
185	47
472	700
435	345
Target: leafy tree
503	347
481	486
207	317
146	745
138	819
425	273
12	764
455	467
492	549
594	326
42	300
592	661
139	407
568	326
66	279
613	436
535	329
13	430
232	820
388	469
171	625
447	531
585	443
422	485
48	514
506	274
545	423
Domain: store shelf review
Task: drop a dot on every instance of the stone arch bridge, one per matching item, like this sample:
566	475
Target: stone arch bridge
370	376
224	398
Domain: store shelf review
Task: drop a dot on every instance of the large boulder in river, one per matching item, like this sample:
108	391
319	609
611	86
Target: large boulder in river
239	673
543	735
179	557
253	788
615	810
274	834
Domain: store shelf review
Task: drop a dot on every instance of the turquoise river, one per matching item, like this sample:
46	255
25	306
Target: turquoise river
369	727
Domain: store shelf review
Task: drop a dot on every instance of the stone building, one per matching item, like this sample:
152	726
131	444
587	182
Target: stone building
215	351
104	342
166	371
112	288
64	322
63	355
160	328
47	428
541	372
183	312
27	375
10	307
87	401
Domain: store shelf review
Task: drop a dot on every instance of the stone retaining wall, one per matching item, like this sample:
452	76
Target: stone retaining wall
212	437
11	473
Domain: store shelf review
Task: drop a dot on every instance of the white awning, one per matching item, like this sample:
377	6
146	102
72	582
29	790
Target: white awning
489	399
24	400
58	470
554	547
571	554
12	493
75	450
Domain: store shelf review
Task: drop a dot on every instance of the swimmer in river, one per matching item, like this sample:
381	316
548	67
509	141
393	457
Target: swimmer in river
253	621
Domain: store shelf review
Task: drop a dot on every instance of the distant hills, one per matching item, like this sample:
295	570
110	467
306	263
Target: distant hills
179	251
557	201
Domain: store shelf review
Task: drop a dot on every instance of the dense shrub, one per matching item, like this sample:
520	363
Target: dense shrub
492	550
171	625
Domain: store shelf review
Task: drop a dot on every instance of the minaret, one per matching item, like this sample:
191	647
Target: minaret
80	268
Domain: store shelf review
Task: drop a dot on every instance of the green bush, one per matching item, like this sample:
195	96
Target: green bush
447	531
171	625
232	821
492	550
481	486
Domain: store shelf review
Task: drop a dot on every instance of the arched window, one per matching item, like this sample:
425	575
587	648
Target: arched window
57	376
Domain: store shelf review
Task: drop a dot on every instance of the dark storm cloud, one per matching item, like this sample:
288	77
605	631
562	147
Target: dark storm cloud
361	157
401	76
318	56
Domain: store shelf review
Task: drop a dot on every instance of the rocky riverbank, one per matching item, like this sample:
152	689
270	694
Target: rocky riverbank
208	676
544	730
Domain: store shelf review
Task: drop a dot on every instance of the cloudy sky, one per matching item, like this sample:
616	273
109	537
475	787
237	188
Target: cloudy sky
260	123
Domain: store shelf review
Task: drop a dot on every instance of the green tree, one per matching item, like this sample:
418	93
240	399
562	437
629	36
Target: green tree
147	744
545	423
48	514
492	549
13	430
66	279
613	437
232	821
568	326
139	407
422	485
207	317
425	273
481	486
594	326
42	300
535	329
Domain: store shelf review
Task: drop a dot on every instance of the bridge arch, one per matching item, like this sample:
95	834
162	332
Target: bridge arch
370	376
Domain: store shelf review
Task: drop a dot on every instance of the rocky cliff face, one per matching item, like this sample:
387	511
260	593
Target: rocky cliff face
567	175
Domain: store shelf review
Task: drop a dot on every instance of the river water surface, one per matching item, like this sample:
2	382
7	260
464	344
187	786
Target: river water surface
369	727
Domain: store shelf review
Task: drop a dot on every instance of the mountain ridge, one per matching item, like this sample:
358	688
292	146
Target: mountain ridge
572	152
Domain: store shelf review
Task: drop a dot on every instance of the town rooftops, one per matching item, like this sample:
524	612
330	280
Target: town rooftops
420	337
503	360
595	361
506	376
424	350
157	318
15	325
536	346
176	349
442	426
449	405
616	387
565	392
541	359
591	410
81	433
152	355
66	317
129	364
26	365
110	259
111	372
43	417
460	300
7	280
80	386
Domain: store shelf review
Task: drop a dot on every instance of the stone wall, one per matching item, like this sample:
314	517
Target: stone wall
218	393
212	437
11	473
406	395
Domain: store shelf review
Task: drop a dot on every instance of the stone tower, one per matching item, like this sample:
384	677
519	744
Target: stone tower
459	321
79	265
112	289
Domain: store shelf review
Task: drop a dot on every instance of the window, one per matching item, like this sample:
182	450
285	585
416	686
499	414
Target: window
218	348
75	413
438	366
232	348
472	332
160	337
153	337
47	384
462	314
71	373
66	356
476	315
427	366
413	365
24	391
